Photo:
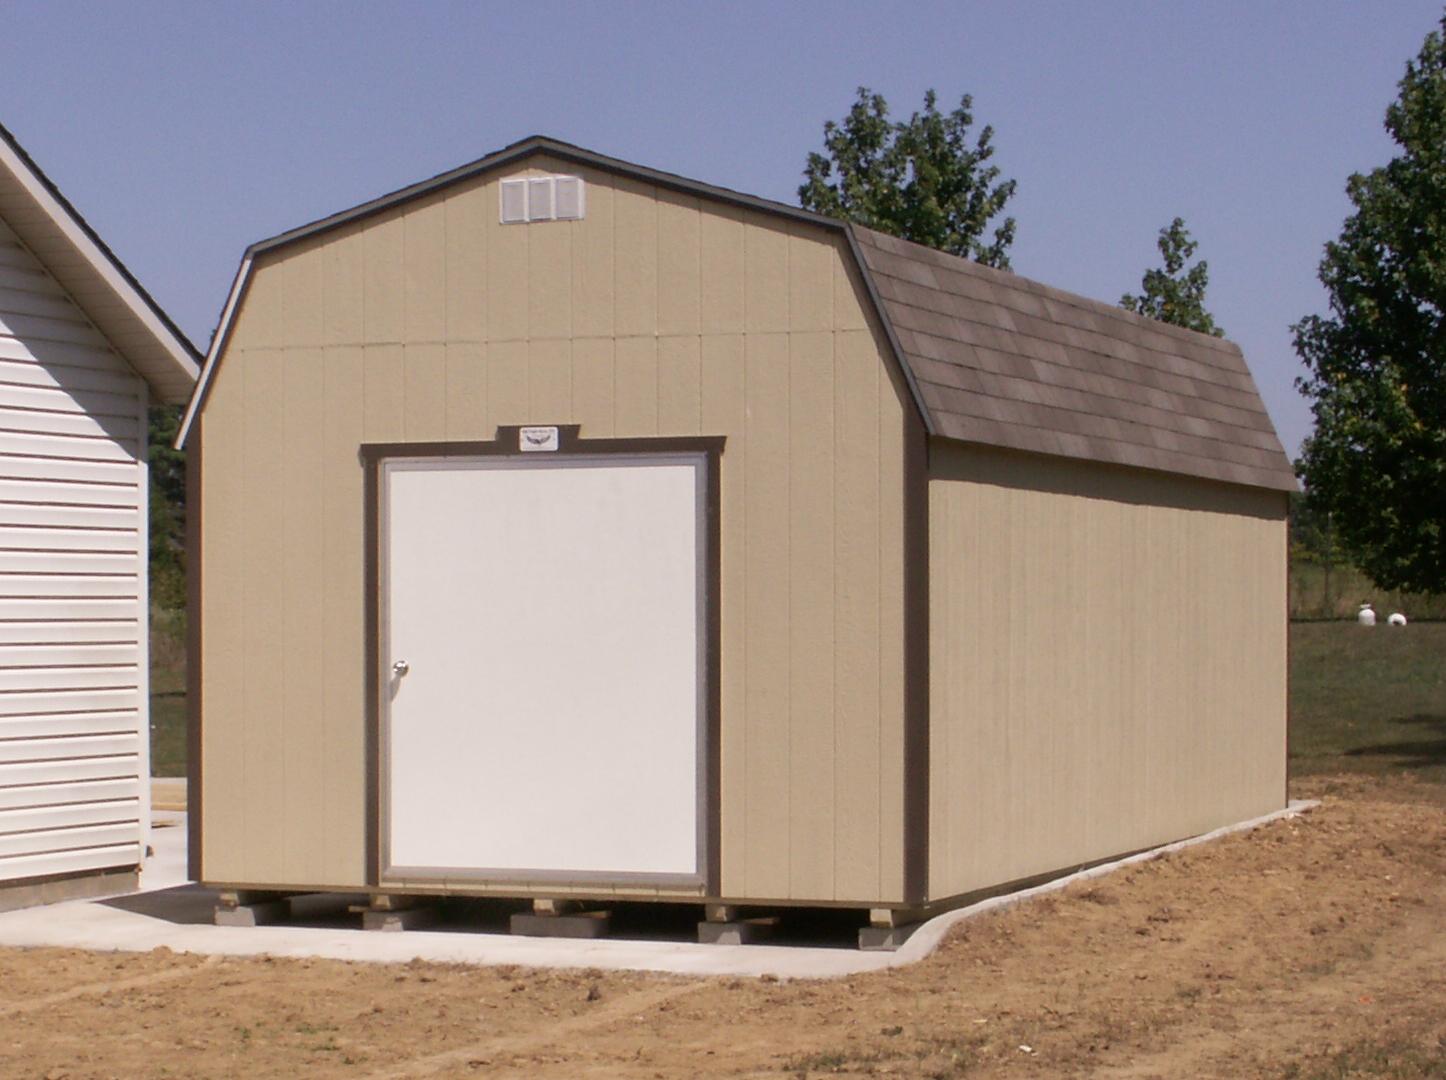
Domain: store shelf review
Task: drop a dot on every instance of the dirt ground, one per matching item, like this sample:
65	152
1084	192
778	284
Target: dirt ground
1314	947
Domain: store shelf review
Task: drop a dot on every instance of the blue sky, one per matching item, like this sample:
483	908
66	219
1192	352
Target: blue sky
185	131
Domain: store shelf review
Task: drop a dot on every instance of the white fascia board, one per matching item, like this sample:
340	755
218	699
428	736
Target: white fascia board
63	219
218	344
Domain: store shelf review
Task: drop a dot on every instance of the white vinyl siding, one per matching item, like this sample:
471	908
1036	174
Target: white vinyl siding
74	751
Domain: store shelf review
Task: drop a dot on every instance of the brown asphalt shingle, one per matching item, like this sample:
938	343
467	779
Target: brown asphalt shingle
1004	361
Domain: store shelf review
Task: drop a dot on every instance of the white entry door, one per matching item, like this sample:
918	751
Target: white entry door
542	653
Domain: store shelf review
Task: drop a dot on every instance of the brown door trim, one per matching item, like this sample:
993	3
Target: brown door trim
569	443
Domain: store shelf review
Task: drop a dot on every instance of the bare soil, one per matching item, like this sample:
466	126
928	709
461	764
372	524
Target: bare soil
1310	948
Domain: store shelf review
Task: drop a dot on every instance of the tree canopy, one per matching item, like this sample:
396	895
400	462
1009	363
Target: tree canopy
167	508
1174	294
1376	365
920	179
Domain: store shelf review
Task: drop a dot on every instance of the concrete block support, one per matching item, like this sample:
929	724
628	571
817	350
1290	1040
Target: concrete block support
884	938
390	912
244	908
416	918
736	931
889	928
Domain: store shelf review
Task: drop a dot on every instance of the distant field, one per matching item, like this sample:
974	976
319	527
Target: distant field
1368	699
1336	593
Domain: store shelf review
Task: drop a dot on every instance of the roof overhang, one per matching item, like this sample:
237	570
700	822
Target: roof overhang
95	279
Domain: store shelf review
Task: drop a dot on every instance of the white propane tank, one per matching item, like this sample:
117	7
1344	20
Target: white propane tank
1366	616
1396	619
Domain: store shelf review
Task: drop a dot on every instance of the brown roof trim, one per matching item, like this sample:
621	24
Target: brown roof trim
888	324
523	148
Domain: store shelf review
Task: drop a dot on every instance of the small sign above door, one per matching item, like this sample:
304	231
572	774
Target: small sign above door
533	439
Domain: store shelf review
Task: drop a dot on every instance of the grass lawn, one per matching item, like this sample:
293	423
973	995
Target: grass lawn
1368	699
168	692
168	721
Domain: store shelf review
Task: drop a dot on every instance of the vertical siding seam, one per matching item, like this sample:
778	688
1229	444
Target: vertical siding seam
247	618
446	294
612	231
879	734
328	842
572	372
407	343
290	841
788	562
742	477
698	285
833	543
652	200
612	276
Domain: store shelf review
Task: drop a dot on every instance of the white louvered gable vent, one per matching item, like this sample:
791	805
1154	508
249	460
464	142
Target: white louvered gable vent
514	201
541	198
569	198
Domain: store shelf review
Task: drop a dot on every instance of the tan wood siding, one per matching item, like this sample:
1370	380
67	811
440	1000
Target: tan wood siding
1108	664
73	745
657	314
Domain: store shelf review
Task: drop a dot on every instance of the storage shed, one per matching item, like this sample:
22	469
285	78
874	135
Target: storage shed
573	529
83	351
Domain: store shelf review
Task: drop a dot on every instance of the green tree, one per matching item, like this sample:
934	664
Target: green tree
167	508
1174	294
920	179
1376	365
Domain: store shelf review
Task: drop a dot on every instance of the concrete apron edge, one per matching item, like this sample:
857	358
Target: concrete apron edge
930	934
91	925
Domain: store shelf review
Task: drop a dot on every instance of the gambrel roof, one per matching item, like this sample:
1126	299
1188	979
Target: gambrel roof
989	357
1006	361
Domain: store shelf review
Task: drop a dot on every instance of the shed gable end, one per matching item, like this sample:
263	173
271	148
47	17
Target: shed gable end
658	314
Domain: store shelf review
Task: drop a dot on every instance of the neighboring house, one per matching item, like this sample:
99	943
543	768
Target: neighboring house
572	529
83	350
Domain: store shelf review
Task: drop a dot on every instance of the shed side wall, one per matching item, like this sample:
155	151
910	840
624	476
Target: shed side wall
74	745
656	315
1108	664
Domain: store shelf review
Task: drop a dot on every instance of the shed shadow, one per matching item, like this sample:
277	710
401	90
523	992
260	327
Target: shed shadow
195	905
1421	753
95	388
183	905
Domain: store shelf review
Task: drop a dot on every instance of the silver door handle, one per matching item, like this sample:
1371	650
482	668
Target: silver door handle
400	668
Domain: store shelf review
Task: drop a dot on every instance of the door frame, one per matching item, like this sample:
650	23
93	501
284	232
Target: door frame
567	443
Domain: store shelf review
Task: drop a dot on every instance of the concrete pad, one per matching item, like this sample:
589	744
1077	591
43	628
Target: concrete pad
165	914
